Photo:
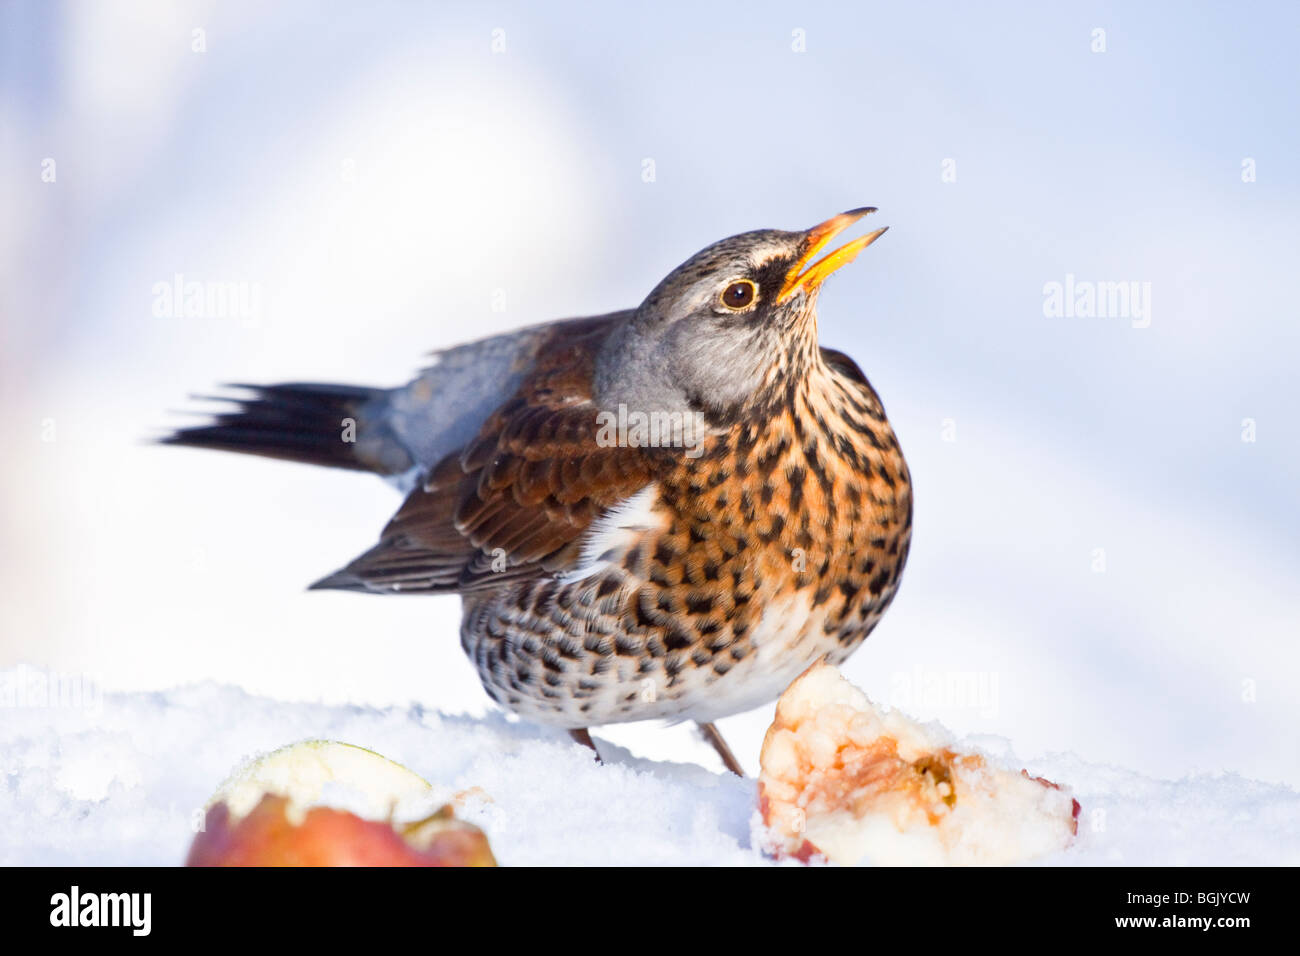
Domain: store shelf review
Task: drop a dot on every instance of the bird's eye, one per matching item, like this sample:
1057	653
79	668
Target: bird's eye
739	294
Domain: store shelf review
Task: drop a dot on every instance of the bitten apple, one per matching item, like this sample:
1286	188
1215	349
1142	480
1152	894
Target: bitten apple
844	779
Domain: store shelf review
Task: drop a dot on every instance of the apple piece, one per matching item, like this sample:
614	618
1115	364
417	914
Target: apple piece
325	803
267	836
844	779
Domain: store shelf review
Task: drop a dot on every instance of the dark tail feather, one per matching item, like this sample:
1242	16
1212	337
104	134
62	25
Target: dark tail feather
341	581
297	422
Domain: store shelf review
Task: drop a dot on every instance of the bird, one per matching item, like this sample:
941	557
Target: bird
665	512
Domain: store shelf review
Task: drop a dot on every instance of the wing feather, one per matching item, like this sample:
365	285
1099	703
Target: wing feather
515	500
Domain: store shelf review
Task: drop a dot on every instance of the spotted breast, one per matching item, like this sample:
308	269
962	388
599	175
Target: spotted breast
720	579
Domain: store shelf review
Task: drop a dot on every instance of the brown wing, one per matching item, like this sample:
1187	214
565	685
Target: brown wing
514	502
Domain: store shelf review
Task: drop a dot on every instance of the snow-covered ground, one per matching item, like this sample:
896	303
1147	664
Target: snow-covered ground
93	778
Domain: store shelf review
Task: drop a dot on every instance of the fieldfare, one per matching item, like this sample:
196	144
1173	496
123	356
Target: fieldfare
665	512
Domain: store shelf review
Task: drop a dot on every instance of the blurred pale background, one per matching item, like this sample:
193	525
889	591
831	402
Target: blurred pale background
1101	563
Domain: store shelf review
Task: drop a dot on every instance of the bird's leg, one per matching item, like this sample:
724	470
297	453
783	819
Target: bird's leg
583	737
711	733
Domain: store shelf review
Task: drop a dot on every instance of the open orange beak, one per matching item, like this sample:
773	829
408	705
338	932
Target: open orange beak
809	277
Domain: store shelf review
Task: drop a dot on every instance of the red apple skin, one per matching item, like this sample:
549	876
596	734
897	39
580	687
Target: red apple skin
1077	808
804	853
327	837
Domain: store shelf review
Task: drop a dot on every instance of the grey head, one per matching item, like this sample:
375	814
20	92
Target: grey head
729	329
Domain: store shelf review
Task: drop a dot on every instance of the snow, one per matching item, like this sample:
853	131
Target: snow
119	778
